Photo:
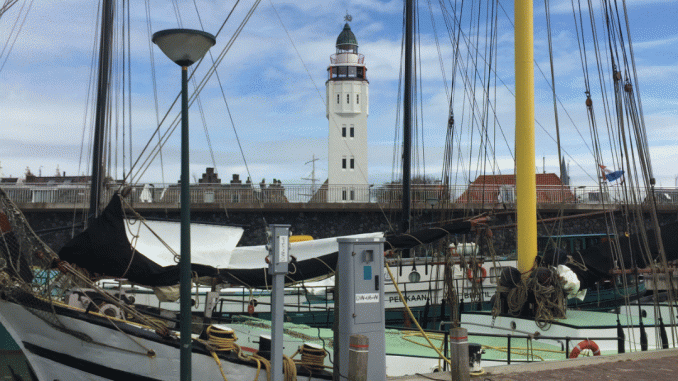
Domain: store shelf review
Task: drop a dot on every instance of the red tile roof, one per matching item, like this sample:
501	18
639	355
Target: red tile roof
501	188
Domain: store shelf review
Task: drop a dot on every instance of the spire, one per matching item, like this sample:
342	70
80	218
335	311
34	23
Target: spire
563	172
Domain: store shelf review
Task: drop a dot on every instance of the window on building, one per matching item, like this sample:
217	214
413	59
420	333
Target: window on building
348	98
357	98
343	162
352	194
352	163
337	98
352	71
343	131
343	194
352	132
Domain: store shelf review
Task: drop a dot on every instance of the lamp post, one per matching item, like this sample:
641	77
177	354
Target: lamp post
184	47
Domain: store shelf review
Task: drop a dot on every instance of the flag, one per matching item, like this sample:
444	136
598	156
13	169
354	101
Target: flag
609	175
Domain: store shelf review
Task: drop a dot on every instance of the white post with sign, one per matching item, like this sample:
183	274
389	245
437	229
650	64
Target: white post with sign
359	304
279	258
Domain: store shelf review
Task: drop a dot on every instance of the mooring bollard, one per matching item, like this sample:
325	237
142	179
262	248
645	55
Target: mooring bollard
357	357
459	366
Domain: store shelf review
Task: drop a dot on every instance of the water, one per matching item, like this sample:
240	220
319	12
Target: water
13	366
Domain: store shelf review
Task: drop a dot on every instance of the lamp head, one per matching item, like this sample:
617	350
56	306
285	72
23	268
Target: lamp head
184	46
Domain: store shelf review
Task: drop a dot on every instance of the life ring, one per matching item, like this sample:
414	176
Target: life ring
483	275
586	344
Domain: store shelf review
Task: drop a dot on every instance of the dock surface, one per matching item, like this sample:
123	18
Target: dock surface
636	366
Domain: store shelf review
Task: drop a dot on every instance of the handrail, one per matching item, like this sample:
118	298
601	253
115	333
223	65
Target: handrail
426	196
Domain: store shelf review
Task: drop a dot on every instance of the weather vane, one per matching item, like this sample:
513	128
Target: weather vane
348	17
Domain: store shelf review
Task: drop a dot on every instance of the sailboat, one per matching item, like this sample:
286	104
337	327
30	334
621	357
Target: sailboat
80	342
69	328
540	317
531	300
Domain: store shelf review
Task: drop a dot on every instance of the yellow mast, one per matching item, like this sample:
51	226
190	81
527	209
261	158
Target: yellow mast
526	189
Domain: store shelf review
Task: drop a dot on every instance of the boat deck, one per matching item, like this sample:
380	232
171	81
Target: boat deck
398	342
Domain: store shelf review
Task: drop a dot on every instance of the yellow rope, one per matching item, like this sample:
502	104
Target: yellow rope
388	268
221	369
312	358
224	341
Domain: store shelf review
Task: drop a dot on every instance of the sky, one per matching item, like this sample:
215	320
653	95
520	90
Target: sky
273	75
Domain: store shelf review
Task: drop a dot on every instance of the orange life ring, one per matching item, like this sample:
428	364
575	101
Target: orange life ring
586	344
483	275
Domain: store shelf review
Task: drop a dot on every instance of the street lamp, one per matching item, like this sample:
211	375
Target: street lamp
184	47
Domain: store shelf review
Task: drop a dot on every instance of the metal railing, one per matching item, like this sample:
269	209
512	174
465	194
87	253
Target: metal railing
424	196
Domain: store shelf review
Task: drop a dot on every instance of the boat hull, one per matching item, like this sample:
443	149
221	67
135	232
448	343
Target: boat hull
90	349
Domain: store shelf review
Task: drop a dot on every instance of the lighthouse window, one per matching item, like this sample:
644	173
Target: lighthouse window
352	163
361	72
337	98
352	71
341	71
343	162
352	194
348	98
357	98
352	132
343	132
343	194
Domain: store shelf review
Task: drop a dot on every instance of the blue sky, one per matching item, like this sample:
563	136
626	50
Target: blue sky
276	98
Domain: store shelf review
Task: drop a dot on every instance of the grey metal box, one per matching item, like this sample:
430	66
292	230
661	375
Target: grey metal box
359	294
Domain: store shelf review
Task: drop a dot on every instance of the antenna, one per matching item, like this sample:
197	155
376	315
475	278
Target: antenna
313	179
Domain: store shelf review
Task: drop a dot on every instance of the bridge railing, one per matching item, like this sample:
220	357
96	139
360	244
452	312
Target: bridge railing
426	196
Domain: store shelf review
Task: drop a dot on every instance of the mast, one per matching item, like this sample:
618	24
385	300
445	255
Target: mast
102	100
526	188
313	179
407	116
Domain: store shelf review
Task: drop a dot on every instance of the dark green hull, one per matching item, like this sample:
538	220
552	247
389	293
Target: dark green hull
6	341
12	360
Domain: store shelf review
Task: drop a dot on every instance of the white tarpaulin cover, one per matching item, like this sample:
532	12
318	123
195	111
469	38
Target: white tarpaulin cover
211	245
215	245
247	257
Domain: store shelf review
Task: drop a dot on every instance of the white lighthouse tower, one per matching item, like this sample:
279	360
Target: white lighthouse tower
347	109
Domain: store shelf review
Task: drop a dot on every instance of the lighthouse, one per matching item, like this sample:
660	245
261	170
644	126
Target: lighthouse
347	109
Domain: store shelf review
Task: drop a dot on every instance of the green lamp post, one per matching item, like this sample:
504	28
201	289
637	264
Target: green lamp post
184	47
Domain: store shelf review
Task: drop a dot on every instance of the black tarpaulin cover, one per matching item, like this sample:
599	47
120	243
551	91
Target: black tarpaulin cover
601	259
104	249
428	235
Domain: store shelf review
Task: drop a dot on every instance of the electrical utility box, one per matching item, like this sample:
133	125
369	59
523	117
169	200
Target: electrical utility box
359	303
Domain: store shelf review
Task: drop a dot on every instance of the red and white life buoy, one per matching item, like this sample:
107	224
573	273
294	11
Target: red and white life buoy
586	344
483	274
